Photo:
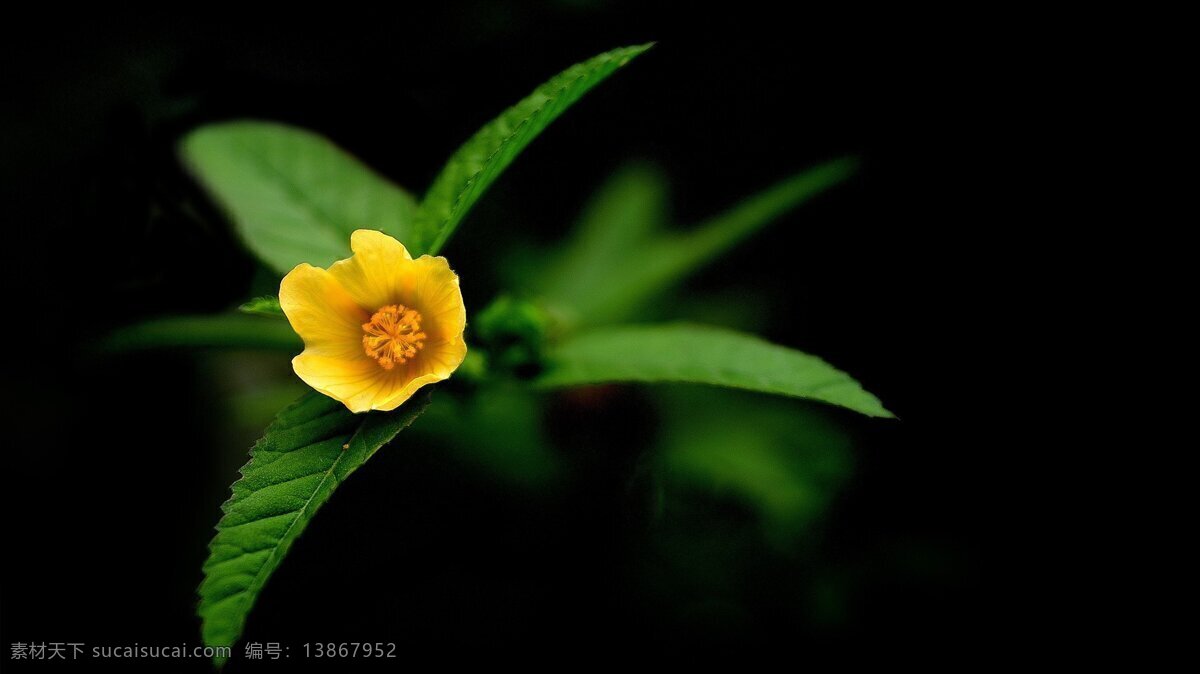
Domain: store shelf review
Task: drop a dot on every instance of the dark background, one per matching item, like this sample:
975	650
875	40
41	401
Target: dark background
112	484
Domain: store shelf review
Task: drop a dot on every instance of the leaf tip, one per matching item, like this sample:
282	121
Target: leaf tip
631	52
875	409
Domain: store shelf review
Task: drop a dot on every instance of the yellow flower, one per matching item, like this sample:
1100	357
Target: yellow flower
376	326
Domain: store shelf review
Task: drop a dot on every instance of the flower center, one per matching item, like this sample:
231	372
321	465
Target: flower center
393	335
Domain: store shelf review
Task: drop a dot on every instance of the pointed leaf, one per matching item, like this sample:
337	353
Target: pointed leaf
292	195
657	263
476	165
702	355
622	215
308	451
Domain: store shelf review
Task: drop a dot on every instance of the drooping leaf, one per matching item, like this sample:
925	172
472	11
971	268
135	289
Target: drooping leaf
783	461
310	449
292	195
701	355
476	165
267	305
218	331
656	262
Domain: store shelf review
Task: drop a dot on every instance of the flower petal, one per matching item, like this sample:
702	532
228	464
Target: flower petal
436	294
378	272
364	386
436	362
324	315
355	382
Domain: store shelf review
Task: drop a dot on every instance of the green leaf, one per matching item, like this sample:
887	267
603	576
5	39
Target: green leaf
310	449
654	264
267	305
497	429
476	165
292	195
784	462
702	355
220	331
622	215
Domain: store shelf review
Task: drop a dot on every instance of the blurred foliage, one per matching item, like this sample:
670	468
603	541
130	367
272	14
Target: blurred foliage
627	210
783	461
515	332
620	256
742	486
228	331
498	430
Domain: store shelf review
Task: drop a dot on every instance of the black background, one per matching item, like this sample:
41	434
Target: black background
109	505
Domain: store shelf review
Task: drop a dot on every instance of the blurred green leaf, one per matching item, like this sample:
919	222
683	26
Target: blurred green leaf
623	214
513	331
268	305
292	195
785	462
219	331
476	165
619	259
257	404
701	355
497	429
310	449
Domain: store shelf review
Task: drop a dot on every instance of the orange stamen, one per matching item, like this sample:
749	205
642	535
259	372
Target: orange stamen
393	335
